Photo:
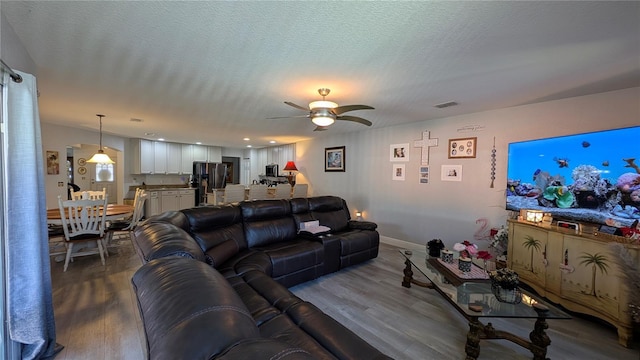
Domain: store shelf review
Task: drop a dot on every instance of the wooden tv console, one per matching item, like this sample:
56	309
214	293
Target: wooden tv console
559	265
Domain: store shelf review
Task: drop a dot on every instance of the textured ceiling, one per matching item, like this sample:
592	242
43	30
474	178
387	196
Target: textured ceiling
214	71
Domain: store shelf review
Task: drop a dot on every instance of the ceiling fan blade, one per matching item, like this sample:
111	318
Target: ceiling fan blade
287	117
343	109
355	119
321	128
296	106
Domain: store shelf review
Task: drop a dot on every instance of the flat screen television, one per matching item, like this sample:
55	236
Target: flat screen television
591	177
271	170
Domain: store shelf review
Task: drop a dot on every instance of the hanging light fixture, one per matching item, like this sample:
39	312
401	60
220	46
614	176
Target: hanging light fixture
321	114
100	157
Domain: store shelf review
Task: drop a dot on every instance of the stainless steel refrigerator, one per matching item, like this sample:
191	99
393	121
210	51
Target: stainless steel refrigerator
207	177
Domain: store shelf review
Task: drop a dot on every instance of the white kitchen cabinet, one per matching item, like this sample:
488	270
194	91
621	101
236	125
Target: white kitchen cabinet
187	159
160	160
152	205
199	153
143	156
170	200
214	154
187	198
174	158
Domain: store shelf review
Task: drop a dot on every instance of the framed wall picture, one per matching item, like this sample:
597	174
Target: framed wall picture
398	172
399	152
424	175
53	163
451	173
462	148
334	158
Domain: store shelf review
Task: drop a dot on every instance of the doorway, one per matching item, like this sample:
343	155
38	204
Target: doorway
233	169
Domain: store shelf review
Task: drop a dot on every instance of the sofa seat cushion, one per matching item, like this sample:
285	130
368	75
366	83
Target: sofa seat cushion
283	329
355	241
292	256
260	308
264	349
330	334
179	300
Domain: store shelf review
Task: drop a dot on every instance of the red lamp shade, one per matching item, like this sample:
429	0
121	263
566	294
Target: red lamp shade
291	166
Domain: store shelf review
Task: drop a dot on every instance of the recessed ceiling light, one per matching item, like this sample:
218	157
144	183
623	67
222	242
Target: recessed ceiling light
198	143
160	139
248	145
246	139
272	142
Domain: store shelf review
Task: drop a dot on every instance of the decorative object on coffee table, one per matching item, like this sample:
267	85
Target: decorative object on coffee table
435	246
504	285
464	264
447	256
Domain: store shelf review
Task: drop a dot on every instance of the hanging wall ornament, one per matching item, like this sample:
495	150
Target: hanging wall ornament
493	162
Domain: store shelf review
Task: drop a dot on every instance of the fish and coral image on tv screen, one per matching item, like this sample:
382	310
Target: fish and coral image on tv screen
592	177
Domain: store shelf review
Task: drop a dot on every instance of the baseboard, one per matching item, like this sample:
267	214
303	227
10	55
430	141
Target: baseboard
402	243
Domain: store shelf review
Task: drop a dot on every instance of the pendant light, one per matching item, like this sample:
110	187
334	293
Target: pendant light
100	157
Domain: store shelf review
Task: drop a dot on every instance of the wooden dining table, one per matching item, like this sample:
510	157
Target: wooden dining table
114	212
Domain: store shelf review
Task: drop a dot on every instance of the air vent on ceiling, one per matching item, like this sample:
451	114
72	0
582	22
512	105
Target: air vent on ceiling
136	120
446	104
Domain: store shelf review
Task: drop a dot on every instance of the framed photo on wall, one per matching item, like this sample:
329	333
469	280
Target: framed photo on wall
451	173
462	148
398	172
334	158
53	163
399	152
424	175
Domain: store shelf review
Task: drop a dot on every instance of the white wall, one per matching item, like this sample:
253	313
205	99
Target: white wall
414	212
57	138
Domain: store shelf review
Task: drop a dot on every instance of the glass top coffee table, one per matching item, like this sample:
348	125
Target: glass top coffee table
474	299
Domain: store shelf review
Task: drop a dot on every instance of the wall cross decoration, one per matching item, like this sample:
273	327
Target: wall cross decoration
425	144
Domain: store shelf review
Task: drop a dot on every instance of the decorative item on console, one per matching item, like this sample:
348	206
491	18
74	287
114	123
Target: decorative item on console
500	241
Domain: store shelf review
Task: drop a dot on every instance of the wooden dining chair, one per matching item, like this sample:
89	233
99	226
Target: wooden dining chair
300	190
93	195
258	192
233	194
124	228
83	222
283	191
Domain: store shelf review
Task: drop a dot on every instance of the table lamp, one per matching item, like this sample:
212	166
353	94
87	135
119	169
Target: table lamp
291	167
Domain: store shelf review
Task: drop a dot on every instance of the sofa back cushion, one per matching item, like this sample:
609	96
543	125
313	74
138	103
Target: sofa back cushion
189	310
267	222
217	230
160	239
330	211
300	211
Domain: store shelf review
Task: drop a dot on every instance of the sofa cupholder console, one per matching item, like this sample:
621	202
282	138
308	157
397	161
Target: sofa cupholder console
214	280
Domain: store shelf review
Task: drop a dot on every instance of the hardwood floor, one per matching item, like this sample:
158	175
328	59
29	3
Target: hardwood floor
97	316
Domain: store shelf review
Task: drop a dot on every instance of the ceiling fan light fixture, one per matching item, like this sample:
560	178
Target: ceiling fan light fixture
323	120
322	104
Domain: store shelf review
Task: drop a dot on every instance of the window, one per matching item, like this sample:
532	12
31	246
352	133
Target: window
104	172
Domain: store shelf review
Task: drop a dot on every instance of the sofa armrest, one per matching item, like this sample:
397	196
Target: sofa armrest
362	225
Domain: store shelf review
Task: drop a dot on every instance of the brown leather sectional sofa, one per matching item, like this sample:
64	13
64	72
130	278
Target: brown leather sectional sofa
214	283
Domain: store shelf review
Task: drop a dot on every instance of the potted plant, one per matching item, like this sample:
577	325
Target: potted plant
504	285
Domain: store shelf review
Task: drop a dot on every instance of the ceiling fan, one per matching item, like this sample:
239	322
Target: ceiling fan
324	113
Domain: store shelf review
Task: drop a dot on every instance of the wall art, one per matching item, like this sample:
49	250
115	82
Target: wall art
424	174
398	172
399	152
451	173
462	148
334	158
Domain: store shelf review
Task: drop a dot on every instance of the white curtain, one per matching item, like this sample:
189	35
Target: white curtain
29	300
